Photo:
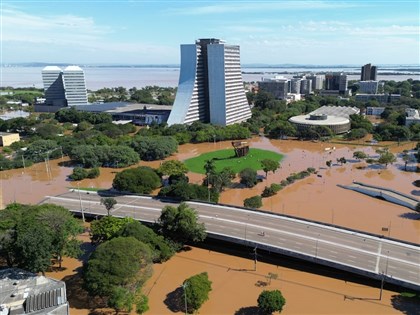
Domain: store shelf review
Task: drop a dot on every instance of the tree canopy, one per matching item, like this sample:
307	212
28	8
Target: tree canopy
31	236
196	291
181	224
271	301
142	180
248	177
122	262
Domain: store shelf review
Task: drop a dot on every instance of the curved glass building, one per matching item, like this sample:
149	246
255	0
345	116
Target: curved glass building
210	85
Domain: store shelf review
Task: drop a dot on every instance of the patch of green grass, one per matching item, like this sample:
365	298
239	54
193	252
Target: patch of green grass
227	158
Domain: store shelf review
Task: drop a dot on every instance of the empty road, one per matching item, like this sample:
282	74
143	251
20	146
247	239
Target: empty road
376	257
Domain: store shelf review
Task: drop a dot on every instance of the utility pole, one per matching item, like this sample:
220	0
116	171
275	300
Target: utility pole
255	258
382	286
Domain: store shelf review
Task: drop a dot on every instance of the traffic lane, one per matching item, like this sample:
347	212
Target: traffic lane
297	243
293	226
124	210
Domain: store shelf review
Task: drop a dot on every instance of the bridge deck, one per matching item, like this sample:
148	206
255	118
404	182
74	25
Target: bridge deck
357	252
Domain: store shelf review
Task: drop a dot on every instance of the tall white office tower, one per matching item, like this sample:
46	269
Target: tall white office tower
74	86
53	86
210	85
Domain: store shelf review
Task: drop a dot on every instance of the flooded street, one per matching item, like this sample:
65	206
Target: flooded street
317	198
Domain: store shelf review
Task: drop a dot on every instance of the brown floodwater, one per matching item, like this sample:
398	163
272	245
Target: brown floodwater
316	198
236	285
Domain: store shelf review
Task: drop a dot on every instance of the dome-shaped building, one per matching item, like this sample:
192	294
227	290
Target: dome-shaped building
334	117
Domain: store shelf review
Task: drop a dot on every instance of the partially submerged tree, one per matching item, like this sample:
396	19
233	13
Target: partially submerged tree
386	157
271	301
181	224
196	291
116	266
269	166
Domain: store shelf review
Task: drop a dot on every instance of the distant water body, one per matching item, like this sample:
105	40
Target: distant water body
128	77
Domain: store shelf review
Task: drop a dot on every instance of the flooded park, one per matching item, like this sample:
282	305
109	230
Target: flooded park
236	285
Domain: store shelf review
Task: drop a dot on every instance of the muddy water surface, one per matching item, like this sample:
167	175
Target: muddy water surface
317	198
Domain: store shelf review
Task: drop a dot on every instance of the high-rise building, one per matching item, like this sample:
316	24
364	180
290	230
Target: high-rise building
295	85
317	81
278	87
64	88
306	86
336	82
75	86
369	73
52	78
210	85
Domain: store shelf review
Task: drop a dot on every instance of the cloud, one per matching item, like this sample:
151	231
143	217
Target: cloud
253	6
51	37
61	29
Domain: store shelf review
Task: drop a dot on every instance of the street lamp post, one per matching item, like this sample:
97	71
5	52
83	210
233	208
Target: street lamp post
81	205
208	185
184	286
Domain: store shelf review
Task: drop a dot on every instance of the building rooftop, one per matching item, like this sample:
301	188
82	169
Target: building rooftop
329	120
25	292
119	107
73	68
340	111
51	68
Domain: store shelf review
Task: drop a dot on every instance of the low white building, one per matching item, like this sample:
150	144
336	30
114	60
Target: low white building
412	116
23	292
337	118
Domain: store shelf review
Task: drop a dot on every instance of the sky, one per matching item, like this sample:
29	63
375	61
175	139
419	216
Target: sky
268	32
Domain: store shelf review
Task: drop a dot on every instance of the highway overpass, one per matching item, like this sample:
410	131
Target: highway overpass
365	254
387	194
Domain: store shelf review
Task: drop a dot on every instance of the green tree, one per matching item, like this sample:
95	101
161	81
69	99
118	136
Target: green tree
182	190
40	150
161	249
32	235
64	228
386	157
181	224
172	168
48	131
248	177
271	301
121	299
79	173
106	228
360	155
142	180
210	167
269	166
121	262
142	304
354	134
254	202
196	291
108	203
33	246
154	148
